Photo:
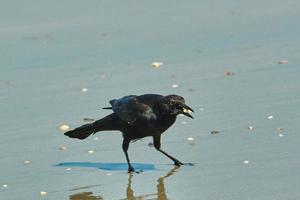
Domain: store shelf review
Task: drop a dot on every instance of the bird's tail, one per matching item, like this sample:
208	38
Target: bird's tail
109	122
81	132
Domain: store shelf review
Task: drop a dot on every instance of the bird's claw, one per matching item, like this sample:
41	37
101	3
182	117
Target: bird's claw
178	163
130	169
189	164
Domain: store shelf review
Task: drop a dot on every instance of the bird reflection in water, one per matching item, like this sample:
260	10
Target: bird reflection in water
160	193
85	196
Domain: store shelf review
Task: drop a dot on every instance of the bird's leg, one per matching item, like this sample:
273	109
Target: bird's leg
125	147
156	141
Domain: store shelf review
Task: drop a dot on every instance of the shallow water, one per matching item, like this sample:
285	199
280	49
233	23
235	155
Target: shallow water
222	55
109	166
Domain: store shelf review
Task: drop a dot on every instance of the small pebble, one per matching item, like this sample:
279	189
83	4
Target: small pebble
63	147
215	131
283	61
91	151
250	128
43	193
68	169
5	185
190	139
246	161
270	117
26	162
95	138
228	73
280	130
280	135
157	64
174	86
84	90
64	127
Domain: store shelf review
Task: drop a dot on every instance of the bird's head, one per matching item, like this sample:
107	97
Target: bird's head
174	105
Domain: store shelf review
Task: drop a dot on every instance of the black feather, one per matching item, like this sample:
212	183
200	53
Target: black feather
108	108
81	132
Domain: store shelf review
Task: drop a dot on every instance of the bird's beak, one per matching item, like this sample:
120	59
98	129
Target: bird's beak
186	110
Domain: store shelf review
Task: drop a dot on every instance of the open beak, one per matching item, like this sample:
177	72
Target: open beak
186	110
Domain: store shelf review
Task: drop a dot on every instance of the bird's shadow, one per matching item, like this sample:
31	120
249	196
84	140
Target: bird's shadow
108	166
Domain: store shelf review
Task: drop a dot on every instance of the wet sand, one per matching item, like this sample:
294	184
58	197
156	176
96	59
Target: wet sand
236	63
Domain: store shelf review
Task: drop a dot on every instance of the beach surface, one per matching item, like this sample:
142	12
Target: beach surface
236	63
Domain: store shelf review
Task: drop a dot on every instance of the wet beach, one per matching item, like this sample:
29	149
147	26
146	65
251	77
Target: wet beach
236	63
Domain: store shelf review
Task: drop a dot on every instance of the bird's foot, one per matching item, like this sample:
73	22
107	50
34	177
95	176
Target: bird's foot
130	169
178	163
189	164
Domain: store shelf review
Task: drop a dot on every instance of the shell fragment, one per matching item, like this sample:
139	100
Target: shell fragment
283	61
43	193
157	64
64	127
91	151
246	161
84	90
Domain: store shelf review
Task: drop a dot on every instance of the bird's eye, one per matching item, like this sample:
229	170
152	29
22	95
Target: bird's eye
176	106
179	108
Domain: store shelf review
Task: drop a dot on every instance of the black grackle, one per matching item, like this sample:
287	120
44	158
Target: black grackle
137	117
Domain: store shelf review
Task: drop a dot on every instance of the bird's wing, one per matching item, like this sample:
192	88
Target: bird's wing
129	109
